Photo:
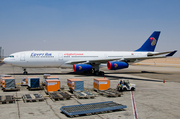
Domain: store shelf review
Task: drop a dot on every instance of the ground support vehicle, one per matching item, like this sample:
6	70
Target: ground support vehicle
126	85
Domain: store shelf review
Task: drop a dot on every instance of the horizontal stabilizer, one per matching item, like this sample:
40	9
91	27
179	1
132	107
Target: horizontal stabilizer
171	54
159	53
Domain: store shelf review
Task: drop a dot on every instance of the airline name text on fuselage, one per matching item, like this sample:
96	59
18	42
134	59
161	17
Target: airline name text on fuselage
40	54
68	54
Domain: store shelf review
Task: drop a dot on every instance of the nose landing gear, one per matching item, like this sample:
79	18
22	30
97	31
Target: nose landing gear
25	72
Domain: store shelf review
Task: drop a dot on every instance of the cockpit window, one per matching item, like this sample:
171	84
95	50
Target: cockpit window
11	56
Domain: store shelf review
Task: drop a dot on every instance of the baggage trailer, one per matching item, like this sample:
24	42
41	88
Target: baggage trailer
56	96
83	94
7	99
8	84
77	87
32	97
109	93
91	108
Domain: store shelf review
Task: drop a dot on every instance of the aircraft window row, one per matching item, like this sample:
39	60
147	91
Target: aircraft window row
84	56
11	56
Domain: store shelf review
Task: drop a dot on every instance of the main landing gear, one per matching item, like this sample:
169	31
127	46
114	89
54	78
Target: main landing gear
25	72
96	71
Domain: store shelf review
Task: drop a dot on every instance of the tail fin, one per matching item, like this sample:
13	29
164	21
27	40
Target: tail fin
150	43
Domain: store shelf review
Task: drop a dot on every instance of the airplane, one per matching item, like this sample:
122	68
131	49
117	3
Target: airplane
87	61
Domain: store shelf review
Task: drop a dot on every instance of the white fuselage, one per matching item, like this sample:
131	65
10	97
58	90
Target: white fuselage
56	59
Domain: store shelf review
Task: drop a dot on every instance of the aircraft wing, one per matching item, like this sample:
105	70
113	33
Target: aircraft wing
125	59
91	61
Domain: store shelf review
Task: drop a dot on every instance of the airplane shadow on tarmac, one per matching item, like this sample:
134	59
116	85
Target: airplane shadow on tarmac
106	75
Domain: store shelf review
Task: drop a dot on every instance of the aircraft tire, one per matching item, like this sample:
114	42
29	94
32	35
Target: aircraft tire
25	73
101	73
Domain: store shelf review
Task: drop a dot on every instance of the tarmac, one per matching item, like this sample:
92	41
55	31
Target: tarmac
154	99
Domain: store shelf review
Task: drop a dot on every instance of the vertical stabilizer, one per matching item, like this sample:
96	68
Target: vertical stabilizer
150	43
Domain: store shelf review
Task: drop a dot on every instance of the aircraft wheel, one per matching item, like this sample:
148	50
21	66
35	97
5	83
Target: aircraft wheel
25	73
96	73
101	73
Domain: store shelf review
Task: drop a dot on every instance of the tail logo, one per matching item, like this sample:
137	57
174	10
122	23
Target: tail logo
153	41
80	67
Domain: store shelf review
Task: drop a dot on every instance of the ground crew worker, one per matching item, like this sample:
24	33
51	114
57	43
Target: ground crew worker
120	85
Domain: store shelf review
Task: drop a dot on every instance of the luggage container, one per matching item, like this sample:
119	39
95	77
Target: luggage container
101	84
24	81
8	82
1	76
33	82
52	86
48	77
75	84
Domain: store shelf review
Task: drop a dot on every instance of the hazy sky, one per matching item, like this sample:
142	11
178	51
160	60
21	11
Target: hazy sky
90	25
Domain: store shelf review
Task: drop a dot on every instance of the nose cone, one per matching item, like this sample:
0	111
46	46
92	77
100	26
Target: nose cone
5	60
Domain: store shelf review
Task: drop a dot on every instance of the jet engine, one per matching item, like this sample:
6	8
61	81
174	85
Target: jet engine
114	65
81	67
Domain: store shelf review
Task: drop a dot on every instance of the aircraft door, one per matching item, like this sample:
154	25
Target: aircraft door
22	57
60	56
105	55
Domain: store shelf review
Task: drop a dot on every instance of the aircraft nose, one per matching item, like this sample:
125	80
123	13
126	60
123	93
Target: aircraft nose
5	60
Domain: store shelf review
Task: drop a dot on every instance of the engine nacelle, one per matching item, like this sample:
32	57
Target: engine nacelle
114	65
81	67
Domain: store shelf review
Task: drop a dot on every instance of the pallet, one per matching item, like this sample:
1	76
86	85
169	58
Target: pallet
38	88
33	97
109	93
7	99
10	89
83	94
91	108
56	96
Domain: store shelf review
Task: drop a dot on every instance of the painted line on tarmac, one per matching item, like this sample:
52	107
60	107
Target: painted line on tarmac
158	88
134	106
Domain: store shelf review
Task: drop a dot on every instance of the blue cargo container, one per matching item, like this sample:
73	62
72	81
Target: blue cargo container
79	85
33	82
